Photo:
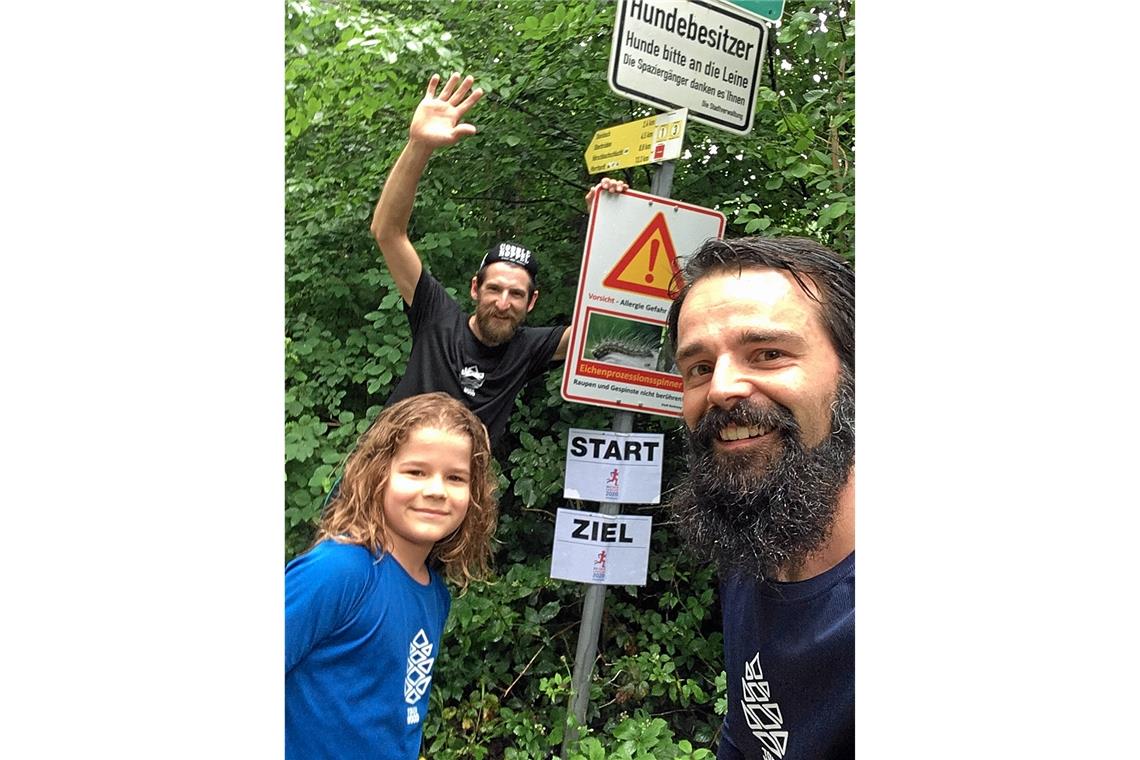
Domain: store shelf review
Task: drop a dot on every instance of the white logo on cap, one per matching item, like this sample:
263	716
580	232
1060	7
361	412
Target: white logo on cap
514	253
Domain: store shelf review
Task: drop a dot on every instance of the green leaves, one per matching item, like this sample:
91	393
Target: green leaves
833	211
757	224
301	437
800	158
639	737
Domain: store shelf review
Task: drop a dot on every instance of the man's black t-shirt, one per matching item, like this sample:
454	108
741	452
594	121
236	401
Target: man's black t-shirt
446	356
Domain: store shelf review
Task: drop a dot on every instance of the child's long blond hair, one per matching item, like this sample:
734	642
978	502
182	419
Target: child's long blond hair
356	515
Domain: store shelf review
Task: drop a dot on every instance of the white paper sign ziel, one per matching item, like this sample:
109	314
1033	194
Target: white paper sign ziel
590	547
603	465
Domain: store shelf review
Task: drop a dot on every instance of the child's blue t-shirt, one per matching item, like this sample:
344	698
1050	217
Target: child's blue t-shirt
361	637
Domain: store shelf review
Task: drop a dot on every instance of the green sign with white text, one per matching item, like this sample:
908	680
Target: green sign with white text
766	9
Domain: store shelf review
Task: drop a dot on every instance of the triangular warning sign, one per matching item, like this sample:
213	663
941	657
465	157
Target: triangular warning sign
649	265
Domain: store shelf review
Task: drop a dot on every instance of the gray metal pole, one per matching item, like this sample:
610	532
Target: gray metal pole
591	617
595	597
662	182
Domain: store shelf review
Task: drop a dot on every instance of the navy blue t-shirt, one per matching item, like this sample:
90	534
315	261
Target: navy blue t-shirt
789	652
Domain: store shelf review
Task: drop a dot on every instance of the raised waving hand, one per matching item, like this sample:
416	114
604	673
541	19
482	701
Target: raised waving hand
438	121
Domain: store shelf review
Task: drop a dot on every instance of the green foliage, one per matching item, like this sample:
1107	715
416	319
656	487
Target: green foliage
798	178
354	71
502	682
640	737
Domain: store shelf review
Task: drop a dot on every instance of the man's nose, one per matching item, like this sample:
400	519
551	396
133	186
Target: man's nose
729	383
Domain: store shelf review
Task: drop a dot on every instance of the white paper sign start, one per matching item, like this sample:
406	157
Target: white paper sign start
605	448
603	465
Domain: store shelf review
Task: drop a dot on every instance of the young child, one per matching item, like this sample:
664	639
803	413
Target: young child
365	606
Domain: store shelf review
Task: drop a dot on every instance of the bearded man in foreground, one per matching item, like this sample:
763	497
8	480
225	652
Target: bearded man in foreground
764	338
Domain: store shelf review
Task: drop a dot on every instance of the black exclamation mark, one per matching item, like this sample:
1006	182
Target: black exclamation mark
653	246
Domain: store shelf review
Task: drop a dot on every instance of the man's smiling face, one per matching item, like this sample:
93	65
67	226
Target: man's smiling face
770	413
755	337
502	302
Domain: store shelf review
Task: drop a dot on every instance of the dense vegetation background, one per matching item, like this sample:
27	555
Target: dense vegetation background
354	71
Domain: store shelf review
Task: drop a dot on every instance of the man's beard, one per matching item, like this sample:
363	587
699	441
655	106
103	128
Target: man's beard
495	331
761	512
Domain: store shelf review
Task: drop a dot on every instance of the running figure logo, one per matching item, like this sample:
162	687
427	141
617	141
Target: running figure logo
612	490
600	566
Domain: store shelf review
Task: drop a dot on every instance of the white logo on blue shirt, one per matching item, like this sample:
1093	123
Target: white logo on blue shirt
420	662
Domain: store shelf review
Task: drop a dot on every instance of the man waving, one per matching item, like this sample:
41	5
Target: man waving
483	359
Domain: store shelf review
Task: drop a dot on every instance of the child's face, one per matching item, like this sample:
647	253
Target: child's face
428	491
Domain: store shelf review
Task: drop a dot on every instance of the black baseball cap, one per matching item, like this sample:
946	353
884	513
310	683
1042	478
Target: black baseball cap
512	253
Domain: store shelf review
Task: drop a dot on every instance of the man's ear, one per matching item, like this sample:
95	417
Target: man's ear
533	301
475	289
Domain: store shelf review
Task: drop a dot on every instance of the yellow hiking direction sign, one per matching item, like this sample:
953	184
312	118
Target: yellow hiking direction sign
646	141
649	264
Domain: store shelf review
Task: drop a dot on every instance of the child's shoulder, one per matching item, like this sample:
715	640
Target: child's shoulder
339	558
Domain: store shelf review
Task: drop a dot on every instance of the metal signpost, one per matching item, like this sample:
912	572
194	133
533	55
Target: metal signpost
595	596
699	55
591	621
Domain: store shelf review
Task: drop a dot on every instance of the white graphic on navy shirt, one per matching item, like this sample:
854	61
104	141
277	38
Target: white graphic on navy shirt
761	712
